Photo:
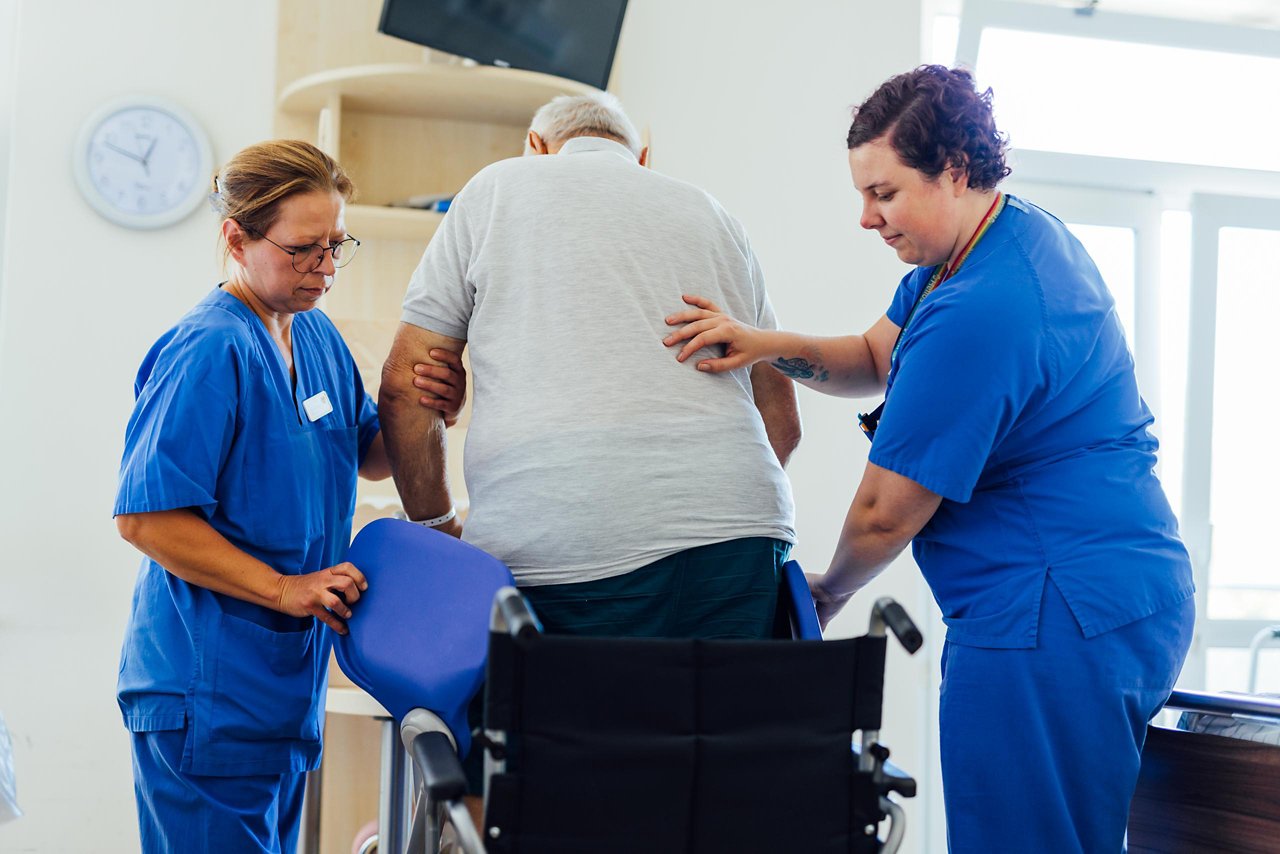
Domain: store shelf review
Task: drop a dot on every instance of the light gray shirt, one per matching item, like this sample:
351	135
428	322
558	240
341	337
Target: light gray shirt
591	451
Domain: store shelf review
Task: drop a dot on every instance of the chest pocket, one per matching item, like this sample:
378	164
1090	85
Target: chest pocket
285	479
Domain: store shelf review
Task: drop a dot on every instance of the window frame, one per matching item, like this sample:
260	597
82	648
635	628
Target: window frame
1210	213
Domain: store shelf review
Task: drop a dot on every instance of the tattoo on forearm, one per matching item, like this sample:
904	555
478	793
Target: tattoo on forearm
801	369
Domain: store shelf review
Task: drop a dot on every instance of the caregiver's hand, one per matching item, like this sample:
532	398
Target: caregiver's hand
326	595
705	325
446	385
827	604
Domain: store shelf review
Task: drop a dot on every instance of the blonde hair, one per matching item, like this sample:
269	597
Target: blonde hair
253	184
596	114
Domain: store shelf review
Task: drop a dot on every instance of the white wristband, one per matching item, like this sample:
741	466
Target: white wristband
438	521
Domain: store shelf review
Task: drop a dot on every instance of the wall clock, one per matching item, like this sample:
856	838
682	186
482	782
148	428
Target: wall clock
143	162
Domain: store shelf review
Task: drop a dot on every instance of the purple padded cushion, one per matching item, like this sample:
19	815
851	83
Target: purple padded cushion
419	635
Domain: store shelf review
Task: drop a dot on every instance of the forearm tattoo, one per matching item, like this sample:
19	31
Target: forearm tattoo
801	369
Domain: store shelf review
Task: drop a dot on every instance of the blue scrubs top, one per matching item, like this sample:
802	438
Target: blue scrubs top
218	427
1013	396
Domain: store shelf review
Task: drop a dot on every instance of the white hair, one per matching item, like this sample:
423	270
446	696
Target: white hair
597	114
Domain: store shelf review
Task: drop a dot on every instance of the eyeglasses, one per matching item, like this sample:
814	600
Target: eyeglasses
307	259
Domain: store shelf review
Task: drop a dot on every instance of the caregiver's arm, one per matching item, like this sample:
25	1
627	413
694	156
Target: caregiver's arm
887	511
844	366
186	545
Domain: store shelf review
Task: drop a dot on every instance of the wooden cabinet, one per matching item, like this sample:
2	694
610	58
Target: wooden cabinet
401	125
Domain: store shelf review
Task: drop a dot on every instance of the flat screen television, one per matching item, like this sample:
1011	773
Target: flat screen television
569	38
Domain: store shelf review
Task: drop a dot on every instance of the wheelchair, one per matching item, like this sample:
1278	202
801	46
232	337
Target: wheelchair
622	744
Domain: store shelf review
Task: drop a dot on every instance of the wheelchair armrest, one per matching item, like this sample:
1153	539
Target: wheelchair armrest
889	777
441	770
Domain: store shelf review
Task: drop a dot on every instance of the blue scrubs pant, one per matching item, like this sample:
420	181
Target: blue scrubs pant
196	814
1041	747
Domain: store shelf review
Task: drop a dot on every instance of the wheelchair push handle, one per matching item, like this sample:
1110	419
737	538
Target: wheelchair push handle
511	614
888	612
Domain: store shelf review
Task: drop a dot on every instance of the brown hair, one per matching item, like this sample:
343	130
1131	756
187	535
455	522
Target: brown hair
253	184
935	120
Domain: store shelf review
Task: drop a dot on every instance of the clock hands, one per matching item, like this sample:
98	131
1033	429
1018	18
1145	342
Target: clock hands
144	161
128	154
146	158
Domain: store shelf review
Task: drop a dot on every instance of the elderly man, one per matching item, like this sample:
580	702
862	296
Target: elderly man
630	494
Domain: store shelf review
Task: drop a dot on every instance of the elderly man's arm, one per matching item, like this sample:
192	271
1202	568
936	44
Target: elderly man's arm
415	434
775	397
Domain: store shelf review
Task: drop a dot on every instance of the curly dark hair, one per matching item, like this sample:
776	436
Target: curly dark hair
935	120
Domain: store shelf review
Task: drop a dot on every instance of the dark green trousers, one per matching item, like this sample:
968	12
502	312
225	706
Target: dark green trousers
723	590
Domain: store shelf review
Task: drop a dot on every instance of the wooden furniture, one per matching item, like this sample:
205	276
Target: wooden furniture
401	125
1208	793
1203	793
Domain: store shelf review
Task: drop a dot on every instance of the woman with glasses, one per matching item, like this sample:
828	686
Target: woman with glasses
238	485
1013	452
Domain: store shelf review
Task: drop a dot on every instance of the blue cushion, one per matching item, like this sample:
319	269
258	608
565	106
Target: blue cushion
804	617
419	635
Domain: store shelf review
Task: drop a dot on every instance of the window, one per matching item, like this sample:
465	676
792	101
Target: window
1136	101
1233	348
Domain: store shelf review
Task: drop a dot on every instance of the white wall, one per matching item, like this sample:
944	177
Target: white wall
81	302
752	102
8	66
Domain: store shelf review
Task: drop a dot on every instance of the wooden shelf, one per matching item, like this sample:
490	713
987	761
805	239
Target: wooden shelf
378	221
430	90
351	700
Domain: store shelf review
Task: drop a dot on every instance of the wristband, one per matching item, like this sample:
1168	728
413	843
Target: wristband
438	521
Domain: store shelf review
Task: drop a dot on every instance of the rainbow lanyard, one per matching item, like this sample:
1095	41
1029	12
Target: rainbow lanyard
942	272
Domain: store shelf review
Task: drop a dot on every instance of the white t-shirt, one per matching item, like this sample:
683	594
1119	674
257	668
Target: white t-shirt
591	450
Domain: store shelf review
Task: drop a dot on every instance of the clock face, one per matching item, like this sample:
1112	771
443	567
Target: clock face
143	164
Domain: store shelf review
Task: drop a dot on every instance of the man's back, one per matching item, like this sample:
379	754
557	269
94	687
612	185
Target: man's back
591	451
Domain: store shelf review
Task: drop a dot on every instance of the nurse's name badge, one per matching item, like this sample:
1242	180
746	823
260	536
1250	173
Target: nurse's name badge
317	406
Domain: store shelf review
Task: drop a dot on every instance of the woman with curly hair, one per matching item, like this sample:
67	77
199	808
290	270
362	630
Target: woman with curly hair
1013	452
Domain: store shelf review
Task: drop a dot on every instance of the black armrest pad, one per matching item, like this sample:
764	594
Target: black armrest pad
440	767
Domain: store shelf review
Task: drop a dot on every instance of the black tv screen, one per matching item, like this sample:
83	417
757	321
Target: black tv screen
569	38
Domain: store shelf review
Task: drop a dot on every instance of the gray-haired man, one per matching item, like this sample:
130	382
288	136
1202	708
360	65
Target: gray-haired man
630	494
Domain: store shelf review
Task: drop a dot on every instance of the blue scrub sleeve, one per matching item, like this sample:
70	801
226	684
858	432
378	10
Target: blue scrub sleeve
366	420
905	297
966	370
181	428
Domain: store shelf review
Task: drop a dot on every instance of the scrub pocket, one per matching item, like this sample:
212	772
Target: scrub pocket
265	684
